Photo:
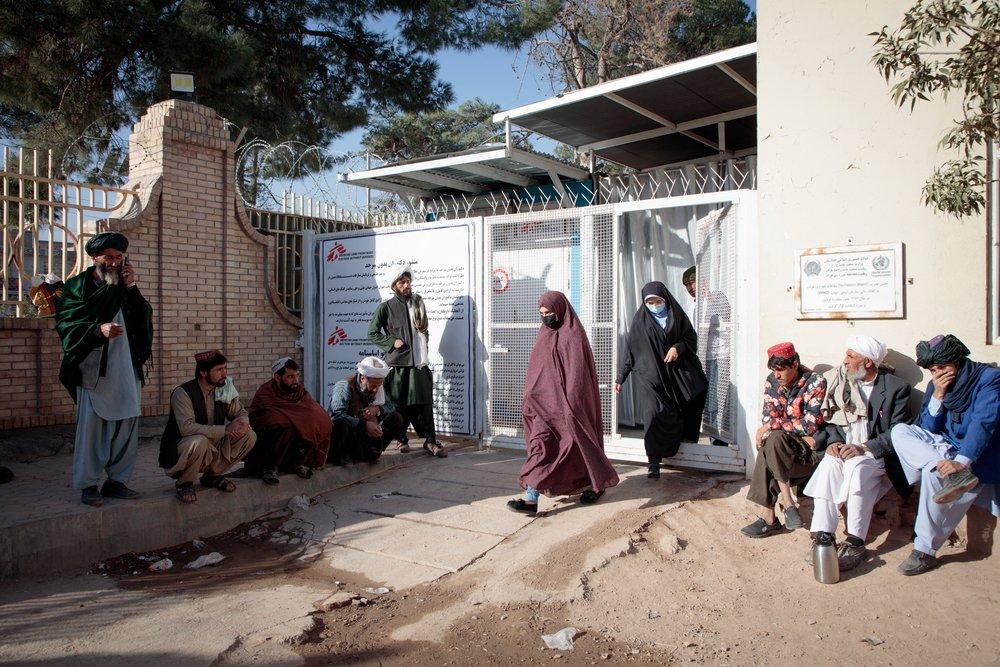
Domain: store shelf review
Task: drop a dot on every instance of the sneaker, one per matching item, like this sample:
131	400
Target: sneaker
917	563
521	506
793	520
761	528
91	496
434	449
113	489
849	556
954	485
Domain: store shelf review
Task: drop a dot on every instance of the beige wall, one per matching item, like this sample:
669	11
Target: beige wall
839	163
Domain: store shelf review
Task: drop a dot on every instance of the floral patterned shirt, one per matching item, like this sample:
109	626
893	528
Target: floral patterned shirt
797	408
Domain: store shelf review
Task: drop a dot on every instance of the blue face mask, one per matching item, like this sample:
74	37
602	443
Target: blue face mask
658	309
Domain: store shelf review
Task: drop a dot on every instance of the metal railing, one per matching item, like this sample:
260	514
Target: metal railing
710	176
45	222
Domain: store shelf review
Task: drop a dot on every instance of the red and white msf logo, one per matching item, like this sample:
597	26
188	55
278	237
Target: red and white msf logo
335	252
336	336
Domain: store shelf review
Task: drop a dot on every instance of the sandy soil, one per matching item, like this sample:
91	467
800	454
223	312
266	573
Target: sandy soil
672	580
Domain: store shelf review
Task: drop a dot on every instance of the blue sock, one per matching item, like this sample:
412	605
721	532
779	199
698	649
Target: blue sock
531	496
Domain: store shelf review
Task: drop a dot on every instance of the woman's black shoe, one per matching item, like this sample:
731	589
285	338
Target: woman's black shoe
654	472
518	505
589	497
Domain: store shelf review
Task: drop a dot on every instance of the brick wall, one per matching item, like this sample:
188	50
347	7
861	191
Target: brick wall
206	272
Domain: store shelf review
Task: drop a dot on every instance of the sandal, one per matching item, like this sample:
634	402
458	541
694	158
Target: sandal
304	472
589	497
220	482
269	477
185	492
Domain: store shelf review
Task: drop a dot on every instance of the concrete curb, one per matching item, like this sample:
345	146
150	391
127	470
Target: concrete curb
71	541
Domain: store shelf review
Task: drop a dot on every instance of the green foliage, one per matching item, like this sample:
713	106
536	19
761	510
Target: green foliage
410	135
712	25
75	73
945	46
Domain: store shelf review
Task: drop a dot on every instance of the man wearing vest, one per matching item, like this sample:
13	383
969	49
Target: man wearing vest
208	430
399	328
364	421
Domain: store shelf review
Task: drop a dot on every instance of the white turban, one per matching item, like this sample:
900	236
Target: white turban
405	269
867	346
279	365
373	367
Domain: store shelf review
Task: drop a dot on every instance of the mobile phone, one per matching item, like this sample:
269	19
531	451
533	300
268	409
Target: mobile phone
121	267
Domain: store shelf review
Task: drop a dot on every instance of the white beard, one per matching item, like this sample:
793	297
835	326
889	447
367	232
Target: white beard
109	277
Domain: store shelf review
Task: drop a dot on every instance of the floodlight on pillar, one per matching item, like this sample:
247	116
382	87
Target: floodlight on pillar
182	85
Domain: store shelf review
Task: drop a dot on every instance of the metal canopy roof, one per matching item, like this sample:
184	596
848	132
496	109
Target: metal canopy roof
476	171
702	107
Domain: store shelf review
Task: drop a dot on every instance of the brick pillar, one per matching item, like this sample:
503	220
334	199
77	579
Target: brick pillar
206	272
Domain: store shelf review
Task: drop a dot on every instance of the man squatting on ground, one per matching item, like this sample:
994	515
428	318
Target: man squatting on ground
953	448
106	330
864	400
208	430
399	328
787	452
364	420
293	431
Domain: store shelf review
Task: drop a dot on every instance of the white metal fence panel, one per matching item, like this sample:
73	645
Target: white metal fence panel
716	300
526	254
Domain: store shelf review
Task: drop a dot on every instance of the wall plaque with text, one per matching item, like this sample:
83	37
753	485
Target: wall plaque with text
850	282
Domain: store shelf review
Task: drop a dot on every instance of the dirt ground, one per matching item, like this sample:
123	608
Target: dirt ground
656	573
669	583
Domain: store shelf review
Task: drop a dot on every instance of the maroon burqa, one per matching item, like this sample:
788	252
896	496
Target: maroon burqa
562	410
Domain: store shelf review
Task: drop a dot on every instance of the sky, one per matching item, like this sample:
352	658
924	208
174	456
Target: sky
507	78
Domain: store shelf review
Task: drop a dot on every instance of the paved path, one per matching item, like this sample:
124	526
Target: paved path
408	525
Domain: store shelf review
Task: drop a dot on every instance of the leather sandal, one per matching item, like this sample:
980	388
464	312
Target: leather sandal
185	492
434	449
220	482
589	497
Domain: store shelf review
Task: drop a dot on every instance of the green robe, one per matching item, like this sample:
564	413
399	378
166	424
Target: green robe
86	304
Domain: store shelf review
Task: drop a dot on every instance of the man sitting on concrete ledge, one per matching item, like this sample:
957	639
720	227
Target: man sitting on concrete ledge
293	431
208	431
364	421
953	449
864	400
787	452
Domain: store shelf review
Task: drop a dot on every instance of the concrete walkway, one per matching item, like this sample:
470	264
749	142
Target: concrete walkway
44	529
422	520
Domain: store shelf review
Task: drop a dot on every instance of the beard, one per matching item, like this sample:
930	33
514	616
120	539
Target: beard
858	374
109	277
219	384
290	388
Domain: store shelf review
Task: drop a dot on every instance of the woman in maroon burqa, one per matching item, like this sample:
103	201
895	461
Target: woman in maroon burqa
562	413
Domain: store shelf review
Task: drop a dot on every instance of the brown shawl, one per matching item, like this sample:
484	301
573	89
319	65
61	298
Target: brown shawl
562	409
273	407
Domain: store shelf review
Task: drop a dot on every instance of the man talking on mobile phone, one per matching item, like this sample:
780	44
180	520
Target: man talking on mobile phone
106	329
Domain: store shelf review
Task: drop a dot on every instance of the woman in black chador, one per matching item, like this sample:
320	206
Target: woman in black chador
670	384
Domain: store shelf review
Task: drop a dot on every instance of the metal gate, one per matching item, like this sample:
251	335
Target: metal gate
570	250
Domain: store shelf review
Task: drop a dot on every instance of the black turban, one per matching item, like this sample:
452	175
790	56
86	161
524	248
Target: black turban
940	350
106	240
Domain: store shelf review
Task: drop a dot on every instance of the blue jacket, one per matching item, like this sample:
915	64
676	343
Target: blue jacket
973	433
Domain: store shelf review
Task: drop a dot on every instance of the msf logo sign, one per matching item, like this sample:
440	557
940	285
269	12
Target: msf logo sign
335	252
336	336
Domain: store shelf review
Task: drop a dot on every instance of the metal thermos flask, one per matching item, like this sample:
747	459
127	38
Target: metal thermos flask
826	568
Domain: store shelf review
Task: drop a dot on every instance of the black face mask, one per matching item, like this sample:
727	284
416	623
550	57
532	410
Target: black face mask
550	320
